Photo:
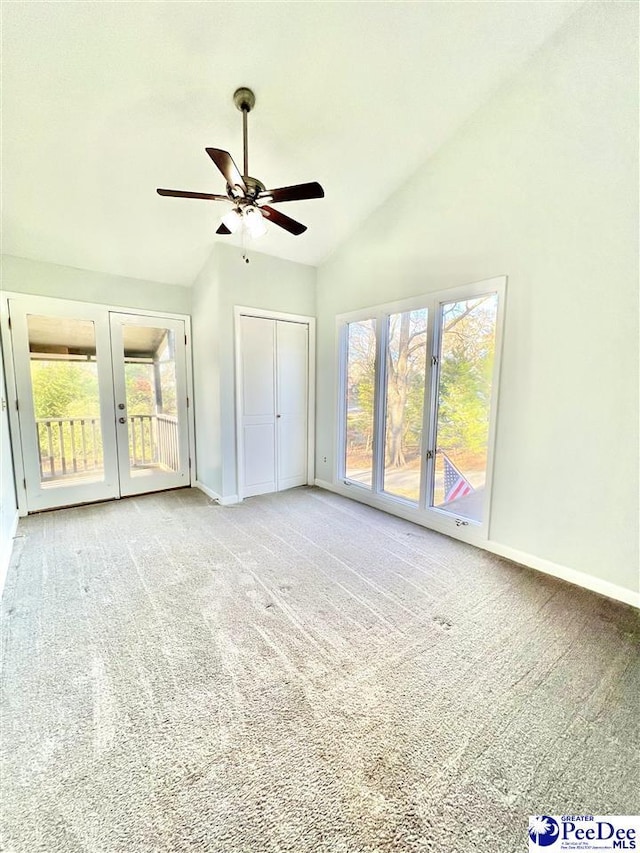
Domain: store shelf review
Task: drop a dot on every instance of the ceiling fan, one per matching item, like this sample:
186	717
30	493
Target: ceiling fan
248	195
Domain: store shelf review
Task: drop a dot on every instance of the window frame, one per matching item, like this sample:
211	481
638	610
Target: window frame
420	511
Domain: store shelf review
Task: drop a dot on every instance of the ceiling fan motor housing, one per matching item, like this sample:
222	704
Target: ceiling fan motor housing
254	188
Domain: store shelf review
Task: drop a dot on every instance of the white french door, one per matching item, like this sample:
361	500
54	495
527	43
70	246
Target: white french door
149	381
102	402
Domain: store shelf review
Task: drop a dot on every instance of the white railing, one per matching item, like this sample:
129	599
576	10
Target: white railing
72	447
153	441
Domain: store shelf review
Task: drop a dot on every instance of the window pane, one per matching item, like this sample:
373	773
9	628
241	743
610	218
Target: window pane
150	381
464	400
361	366
66	399
405	377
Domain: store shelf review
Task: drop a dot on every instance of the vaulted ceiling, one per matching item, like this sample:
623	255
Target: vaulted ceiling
104	102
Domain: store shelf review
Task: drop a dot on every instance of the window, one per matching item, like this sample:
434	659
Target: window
417	395
465	360
405	373
361	367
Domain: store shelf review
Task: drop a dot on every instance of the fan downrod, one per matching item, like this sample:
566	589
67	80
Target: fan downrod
244	99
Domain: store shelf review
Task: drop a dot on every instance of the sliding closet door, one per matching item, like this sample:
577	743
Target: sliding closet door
258	396
292	371
274	399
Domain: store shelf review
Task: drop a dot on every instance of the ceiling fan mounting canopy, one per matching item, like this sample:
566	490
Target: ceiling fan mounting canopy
244	99
248	195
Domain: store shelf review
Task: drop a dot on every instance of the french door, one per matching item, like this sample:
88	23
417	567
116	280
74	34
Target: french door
417	400
102	402
149	380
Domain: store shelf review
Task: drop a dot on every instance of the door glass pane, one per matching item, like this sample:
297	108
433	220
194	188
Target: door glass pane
361	368
151	404
404	399
463	404
66	399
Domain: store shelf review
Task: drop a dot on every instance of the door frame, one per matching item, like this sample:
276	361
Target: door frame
10	375
262	314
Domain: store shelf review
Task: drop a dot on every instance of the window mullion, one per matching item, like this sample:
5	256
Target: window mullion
431	401
382	342
341	443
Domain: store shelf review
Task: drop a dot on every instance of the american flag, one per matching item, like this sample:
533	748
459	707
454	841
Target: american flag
455	485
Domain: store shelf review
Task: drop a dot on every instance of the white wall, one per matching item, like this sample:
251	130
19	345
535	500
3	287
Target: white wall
205	322
226	281
8	503
540	185
44	279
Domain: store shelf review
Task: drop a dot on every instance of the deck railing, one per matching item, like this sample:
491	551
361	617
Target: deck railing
72	447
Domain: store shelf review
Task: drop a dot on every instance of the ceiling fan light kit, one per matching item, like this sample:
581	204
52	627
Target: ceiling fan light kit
248	195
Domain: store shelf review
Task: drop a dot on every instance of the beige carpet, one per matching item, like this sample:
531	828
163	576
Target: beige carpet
299	673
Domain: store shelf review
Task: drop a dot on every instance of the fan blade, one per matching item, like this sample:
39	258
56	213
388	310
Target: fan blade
224	162
222	229
299	192
187	194
283	221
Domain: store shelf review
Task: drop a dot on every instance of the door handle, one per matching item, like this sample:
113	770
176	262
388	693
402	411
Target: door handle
122	420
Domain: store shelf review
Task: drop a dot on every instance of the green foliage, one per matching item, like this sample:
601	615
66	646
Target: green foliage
139	385
465	376
63	389
467	354
69	389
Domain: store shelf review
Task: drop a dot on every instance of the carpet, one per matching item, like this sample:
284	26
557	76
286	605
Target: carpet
302	674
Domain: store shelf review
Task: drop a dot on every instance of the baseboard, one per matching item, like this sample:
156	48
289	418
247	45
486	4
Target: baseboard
602	587
573	576
223	501
7	550
229	499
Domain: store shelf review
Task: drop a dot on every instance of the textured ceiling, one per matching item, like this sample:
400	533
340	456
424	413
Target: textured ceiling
104	102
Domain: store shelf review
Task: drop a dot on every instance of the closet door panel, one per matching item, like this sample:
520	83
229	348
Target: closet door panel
259	459
258	357
292	370
258	342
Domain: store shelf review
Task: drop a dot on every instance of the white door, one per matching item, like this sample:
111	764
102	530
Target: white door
292	373
150	388
62	362
274	376
258	360
73	363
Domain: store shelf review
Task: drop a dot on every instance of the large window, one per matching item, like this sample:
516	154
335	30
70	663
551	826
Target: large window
417	391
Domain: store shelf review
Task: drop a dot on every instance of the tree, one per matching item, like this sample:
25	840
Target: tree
406	354
139	387
360	386
466	367
63	389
